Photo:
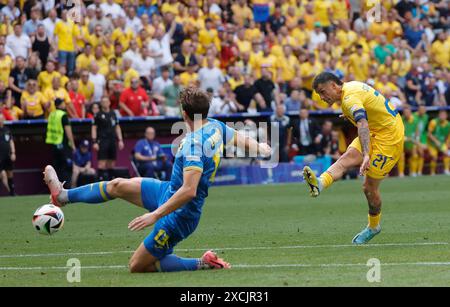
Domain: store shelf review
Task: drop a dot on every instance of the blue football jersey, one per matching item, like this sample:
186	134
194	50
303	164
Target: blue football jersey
200	150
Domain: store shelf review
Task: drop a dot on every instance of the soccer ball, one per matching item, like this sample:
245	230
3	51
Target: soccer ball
48	219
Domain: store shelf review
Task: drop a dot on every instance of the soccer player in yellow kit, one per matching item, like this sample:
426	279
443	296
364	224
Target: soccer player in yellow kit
376	150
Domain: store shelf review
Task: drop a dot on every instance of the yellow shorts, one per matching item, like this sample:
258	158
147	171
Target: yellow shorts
434	151
383	158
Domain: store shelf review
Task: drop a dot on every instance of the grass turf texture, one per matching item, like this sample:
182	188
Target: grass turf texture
287	225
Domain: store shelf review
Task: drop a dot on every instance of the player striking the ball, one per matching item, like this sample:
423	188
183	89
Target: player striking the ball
175	207
376	150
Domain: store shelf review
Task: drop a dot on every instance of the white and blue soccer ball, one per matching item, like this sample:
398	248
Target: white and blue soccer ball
48	219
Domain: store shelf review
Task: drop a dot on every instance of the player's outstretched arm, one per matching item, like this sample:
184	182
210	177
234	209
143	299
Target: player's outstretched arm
364	138
186	193
250	145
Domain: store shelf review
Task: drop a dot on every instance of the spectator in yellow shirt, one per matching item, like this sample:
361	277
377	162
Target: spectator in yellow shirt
86	87
101	60
122	33
346	35
308	71
45	77
84	59
340	10
359	63
170	6
6	65
253	32
32	102
208	36
56	91
291	17
97	38
241	41
65	33
309	16
64	78
394	28
323	13
189	77
301	34
440	51
242	14
128	72
386	68
81	33
269	61
288	66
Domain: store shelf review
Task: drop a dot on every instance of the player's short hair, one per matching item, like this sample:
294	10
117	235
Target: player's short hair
326	77
195	101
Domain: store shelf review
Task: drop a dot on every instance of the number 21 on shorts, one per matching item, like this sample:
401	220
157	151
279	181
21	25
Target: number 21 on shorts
380	161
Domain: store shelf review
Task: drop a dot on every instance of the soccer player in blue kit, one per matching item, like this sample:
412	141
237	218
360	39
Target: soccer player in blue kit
174	207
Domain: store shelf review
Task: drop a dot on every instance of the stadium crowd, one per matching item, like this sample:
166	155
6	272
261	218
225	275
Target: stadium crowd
252	56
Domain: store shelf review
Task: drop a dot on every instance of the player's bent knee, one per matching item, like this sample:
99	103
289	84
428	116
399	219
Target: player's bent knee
116	187
135	266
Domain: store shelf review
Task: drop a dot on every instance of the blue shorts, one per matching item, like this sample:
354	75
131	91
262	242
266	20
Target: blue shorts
169	230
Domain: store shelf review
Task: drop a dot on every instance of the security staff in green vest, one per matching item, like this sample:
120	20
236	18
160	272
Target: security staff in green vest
60	137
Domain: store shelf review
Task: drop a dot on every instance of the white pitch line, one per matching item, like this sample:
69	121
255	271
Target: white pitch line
240	266
229	248
316	246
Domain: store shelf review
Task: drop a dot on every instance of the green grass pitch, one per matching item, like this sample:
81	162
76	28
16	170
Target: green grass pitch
273	235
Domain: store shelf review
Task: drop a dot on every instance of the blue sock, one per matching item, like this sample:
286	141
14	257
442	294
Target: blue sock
91	193
173	263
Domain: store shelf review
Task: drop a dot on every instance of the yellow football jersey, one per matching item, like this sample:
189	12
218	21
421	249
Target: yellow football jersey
385	123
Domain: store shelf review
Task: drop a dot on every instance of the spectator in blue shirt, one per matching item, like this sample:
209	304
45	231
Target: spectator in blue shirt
414	35
294	102
147	8
82	162
150	159
30	26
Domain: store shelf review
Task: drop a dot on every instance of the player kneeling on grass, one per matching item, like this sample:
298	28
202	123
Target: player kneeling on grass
376	150
175	207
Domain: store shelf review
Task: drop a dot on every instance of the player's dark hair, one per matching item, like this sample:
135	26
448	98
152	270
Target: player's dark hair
195	101
326	77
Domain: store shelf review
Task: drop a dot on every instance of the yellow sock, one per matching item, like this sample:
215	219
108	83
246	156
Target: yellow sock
413	163
420	163
433	165
326	180
374	220
446	164
401	165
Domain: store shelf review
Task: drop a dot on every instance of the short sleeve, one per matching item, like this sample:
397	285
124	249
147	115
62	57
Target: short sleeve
138	147
65	120
432	126
228	133
355	108
96	120
192	156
